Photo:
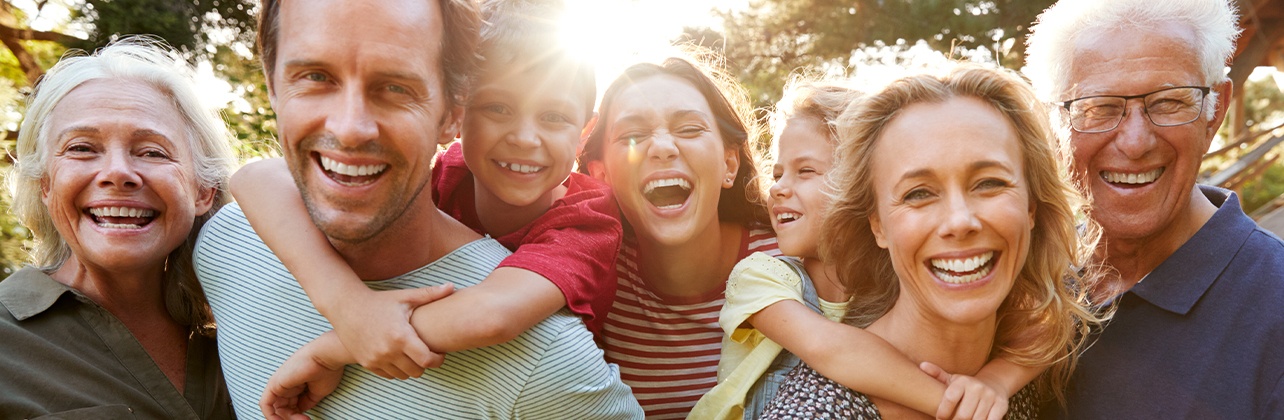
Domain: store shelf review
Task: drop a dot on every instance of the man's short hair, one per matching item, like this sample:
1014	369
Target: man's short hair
461	23
527	33
1051	46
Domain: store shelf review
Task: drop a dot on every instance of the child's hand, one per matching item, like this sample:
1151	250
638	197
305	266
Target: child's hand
967	397
298	385
375	328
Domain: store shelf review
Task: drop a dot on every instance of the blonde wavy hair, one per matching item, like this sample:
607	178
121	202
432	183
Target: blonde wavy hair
1044	318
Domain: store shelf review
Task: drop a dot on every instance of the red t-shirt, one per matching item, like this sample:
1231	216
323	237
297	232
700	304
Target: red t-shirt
573	244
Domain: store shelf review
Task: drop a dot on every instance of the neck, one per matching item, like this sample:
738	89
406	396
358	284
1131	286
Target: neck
957	348
420	236
499	218
124	292
1131	259
686	270
825	278
135	297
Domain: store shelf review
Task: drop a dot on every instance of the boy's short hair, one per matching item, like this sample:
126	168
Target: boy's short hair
525	34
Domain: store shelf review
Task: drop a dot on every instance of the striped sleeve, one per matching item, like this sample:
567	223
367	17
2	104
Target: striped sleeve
571	381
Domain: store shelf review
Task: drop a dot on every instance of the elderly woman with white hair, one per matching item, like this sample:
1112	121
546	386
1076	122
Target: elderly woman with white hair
119	164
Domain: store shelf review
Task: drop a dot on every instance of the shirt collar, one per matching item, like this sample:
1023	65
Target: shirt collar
29	292
1178	283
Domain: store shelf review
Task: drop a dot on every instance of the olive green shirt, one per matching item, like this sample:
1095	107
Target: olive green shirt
63	356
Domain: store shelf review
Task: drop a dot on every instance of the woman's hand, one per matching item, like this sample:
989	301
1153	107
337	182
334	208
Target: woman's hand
301	382
375	328
967	397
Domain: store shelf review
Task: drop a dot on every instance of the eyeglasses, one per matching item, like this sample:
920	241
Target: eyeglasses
1165	108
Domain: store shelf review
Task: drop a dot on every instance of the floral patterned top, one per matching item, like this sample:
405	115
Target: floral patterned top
807	394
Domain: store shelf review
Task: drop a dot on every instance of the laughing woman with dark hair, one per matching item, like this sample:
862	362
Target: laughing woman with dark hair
674	142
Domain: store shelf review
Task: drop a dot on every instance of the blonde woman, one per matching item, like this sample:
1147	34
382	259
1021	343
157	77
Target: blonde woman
953	230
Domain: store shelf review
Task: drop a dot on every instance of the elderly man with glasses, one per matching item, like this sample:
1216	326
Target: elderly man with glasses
1197	287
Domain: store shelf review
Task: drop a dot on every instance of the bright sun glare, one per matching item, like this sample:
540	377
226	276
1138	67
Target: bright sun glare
614	34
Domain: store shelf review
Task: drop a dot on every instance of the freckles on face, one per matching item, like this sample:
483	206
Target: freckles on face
953	207
665	160
120	185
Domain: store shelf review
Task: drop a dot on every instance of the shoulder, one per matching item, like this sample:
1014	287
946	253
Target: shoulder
762	239
760	264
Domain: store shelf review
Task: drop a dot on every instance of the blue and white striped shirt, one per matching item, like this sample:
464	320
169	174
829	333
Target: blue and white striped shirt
553	370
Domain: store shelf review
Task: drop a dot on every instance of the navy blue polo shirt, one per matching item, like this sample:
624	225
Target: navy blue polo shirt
1201	337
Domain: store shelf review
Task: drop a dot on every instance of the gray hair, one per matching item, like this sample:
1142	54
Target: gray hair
147	60
1053	37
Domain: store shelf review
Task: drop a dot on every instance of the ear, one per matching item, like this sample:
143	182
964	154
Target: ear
1224	91
584	134
1033	205
205	200
597	170
271	91
44	190
876	227
732	159
451	124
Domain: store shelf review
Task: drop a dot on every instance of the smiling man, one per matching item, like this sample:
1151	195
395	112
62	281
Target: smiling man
1198	288
364	91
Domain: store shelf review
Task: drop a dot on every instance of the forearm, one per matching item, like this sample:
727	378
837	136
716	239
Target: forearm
504	305
1007	376
327	351
849	355
276	211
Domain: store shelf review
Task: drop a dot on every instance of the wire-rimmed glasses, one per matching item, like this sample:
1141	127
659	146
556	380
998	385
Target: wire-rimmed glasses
1165	108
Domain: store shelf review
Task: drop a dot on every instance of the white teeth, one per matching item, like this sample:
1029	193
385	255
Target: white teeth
668	182
787	217
121	212
945	268
517	167
964	279
1132	178
351	170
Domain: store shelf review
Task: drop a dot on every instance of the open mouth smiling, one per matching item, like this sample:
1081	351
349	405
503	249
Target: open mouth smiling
667	193
351	175
121	217
787	217
963	270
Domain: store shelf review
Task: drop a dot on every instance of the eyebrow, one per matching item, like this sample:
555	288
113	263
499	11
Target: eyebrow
390	74
974	167
689	112
139	133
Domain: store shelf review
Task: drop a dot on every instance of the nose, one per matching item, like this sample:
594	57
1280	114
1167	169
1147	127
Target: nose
960	218
781	189
523	135
353	122
1135	136
662	147
119	171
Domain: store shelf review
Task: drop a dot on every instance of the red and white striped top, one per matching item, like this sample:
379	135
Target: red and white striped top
668	348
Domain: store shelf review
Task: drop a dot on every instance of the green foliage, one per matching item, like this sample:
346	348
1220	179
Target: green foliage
192	26
772	38
1262	190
